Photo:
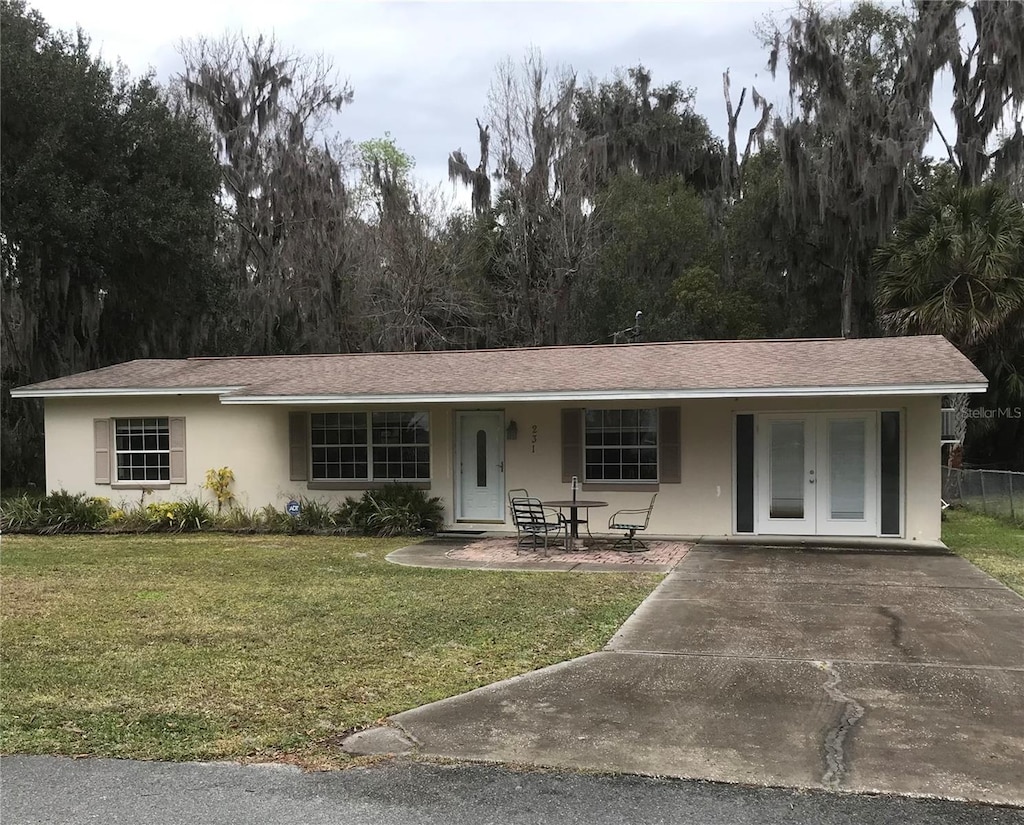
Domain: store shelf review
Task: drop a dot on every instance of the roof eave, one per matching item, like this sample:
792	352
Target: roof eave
104	392
610	395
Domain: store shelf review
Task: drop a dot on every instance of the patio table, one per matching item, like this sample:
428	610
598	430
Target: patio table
575	505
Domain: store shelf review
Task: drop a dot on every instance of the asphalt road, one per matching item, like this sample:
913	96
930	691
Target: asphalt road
55	791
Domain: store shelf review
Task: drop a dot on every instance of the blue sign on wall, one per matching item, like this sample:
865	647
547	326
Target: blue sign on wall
293	508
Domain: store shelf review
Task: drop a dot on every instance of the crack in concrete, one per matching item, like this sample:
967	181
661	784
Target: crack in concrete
835	738
896	629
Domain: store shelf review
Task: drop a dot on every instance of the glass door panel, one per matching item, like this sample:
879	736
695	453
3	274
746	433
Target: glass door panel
848	494
786	448
786	478
847	468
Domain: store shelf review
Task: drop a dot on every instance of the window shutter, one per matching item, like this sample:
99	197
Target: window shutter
101	447
176	430
670	465
298	446
572	444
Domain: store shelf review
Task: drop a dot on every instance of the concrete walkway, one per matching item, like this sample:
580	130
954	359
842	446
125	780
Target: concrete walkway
853	671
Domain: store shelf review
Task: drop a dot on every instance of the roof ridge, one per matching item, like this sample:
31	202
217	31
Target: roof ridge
550	348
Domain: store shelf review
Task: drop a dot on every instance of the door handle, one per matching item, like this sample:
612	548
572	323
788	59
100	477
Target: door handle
501	466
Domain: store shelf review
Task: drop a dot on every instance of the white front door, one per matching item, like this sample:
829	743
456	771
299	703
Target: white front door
480	479
817	474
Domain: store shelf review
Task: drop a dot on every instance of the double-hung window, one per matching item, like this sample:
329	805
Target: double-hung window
621	445
379	446
142	449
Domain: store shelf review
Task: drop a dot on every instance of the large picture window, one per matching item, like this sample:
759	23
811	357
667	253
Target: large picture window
380	446
621	445
142	449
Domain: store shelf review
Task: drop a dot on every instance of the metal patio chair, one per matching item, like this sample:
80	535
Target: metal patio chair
517	492
633	522
534	522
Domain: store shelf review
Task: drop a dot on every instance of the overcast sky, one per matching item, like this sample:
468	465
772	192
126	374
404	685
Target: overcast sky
421	70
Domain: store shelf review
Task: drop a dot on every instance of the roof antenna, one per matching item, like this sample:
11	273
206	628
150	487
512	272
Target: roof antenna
635	332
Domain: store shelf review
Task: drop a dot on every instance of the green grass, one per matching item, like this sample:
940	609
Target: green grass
996	546
263	647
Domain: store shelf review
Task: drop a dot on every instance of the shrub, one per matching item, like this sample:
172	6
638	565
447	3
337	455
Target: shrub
193	514
20	514
134	519
64	512
272	520
314	517
58	512
397	509
219	482
241	520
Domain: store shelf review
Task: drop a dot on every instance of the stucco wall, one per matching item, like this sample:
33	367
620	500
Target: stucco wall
253	442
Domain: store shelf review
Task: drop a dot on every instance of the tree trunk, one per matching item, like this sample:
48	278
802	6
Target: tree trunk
847	300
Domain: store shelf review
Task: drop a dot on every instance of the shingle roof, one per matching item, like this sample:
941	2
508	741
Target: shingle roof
676	369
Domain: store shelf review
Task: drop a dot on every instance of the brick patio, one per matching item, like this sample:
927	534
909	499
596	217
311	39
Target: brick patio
502	551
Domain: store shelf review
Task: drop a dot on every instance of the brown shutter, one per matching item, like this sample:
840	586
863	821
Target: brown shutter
670	465
572	444
298	446
176	429
101	447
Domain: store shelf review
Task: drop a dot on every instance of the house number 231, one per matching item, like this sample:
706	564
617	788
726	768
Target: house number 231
533	438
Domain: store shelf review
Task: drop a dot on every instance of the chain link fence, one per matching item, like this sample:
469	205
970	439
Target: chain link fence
997	493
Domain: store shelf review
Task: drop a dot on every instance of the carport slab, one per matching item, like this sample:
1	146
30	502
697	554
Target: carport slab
848	632
686	586
833	567
779	722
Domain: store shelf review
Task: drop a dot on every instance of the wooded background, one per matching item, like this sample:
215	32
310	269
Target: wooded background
224	213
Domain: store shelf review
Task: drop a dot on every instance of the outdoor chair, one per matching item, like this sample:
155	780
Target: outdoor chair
517	492
535	522
633	522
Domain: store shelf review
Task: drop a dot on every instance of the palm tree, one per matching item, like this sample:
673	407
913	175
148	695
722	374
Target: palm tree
955	266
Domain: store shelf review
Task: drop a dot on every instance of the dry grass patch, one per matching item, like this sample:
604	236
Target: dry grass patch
263	647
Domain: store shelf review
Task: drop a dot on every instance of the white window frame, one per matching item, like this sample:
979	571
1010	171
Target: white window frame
654	413
163	427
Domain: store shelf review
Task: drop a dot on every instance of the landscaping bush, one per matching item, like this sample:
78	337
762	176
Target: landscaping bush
314	517
238	519
272	520
397	509
193	514
20	514
59	512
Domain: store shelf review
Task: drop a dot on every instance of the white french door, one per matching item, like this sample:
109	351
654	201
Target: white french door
480	482
817	474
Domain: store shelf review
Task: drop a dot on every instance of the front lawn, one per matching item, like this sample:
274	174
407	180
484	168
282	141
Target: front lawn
265	647
997	547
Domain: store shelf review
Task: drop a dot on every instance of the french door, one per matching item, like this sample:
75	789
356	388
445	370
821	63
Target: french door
817	474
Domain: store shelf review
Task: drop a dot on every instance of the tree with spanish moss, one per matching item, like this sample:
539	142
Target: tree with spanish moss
288	233
108	222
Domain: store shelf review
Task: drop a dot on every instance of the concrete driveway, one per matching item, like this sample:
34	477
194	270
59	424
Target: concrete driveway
858	671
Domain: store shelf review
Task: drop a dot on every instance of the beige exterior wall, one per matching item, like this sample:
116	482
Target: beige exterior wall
253	442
